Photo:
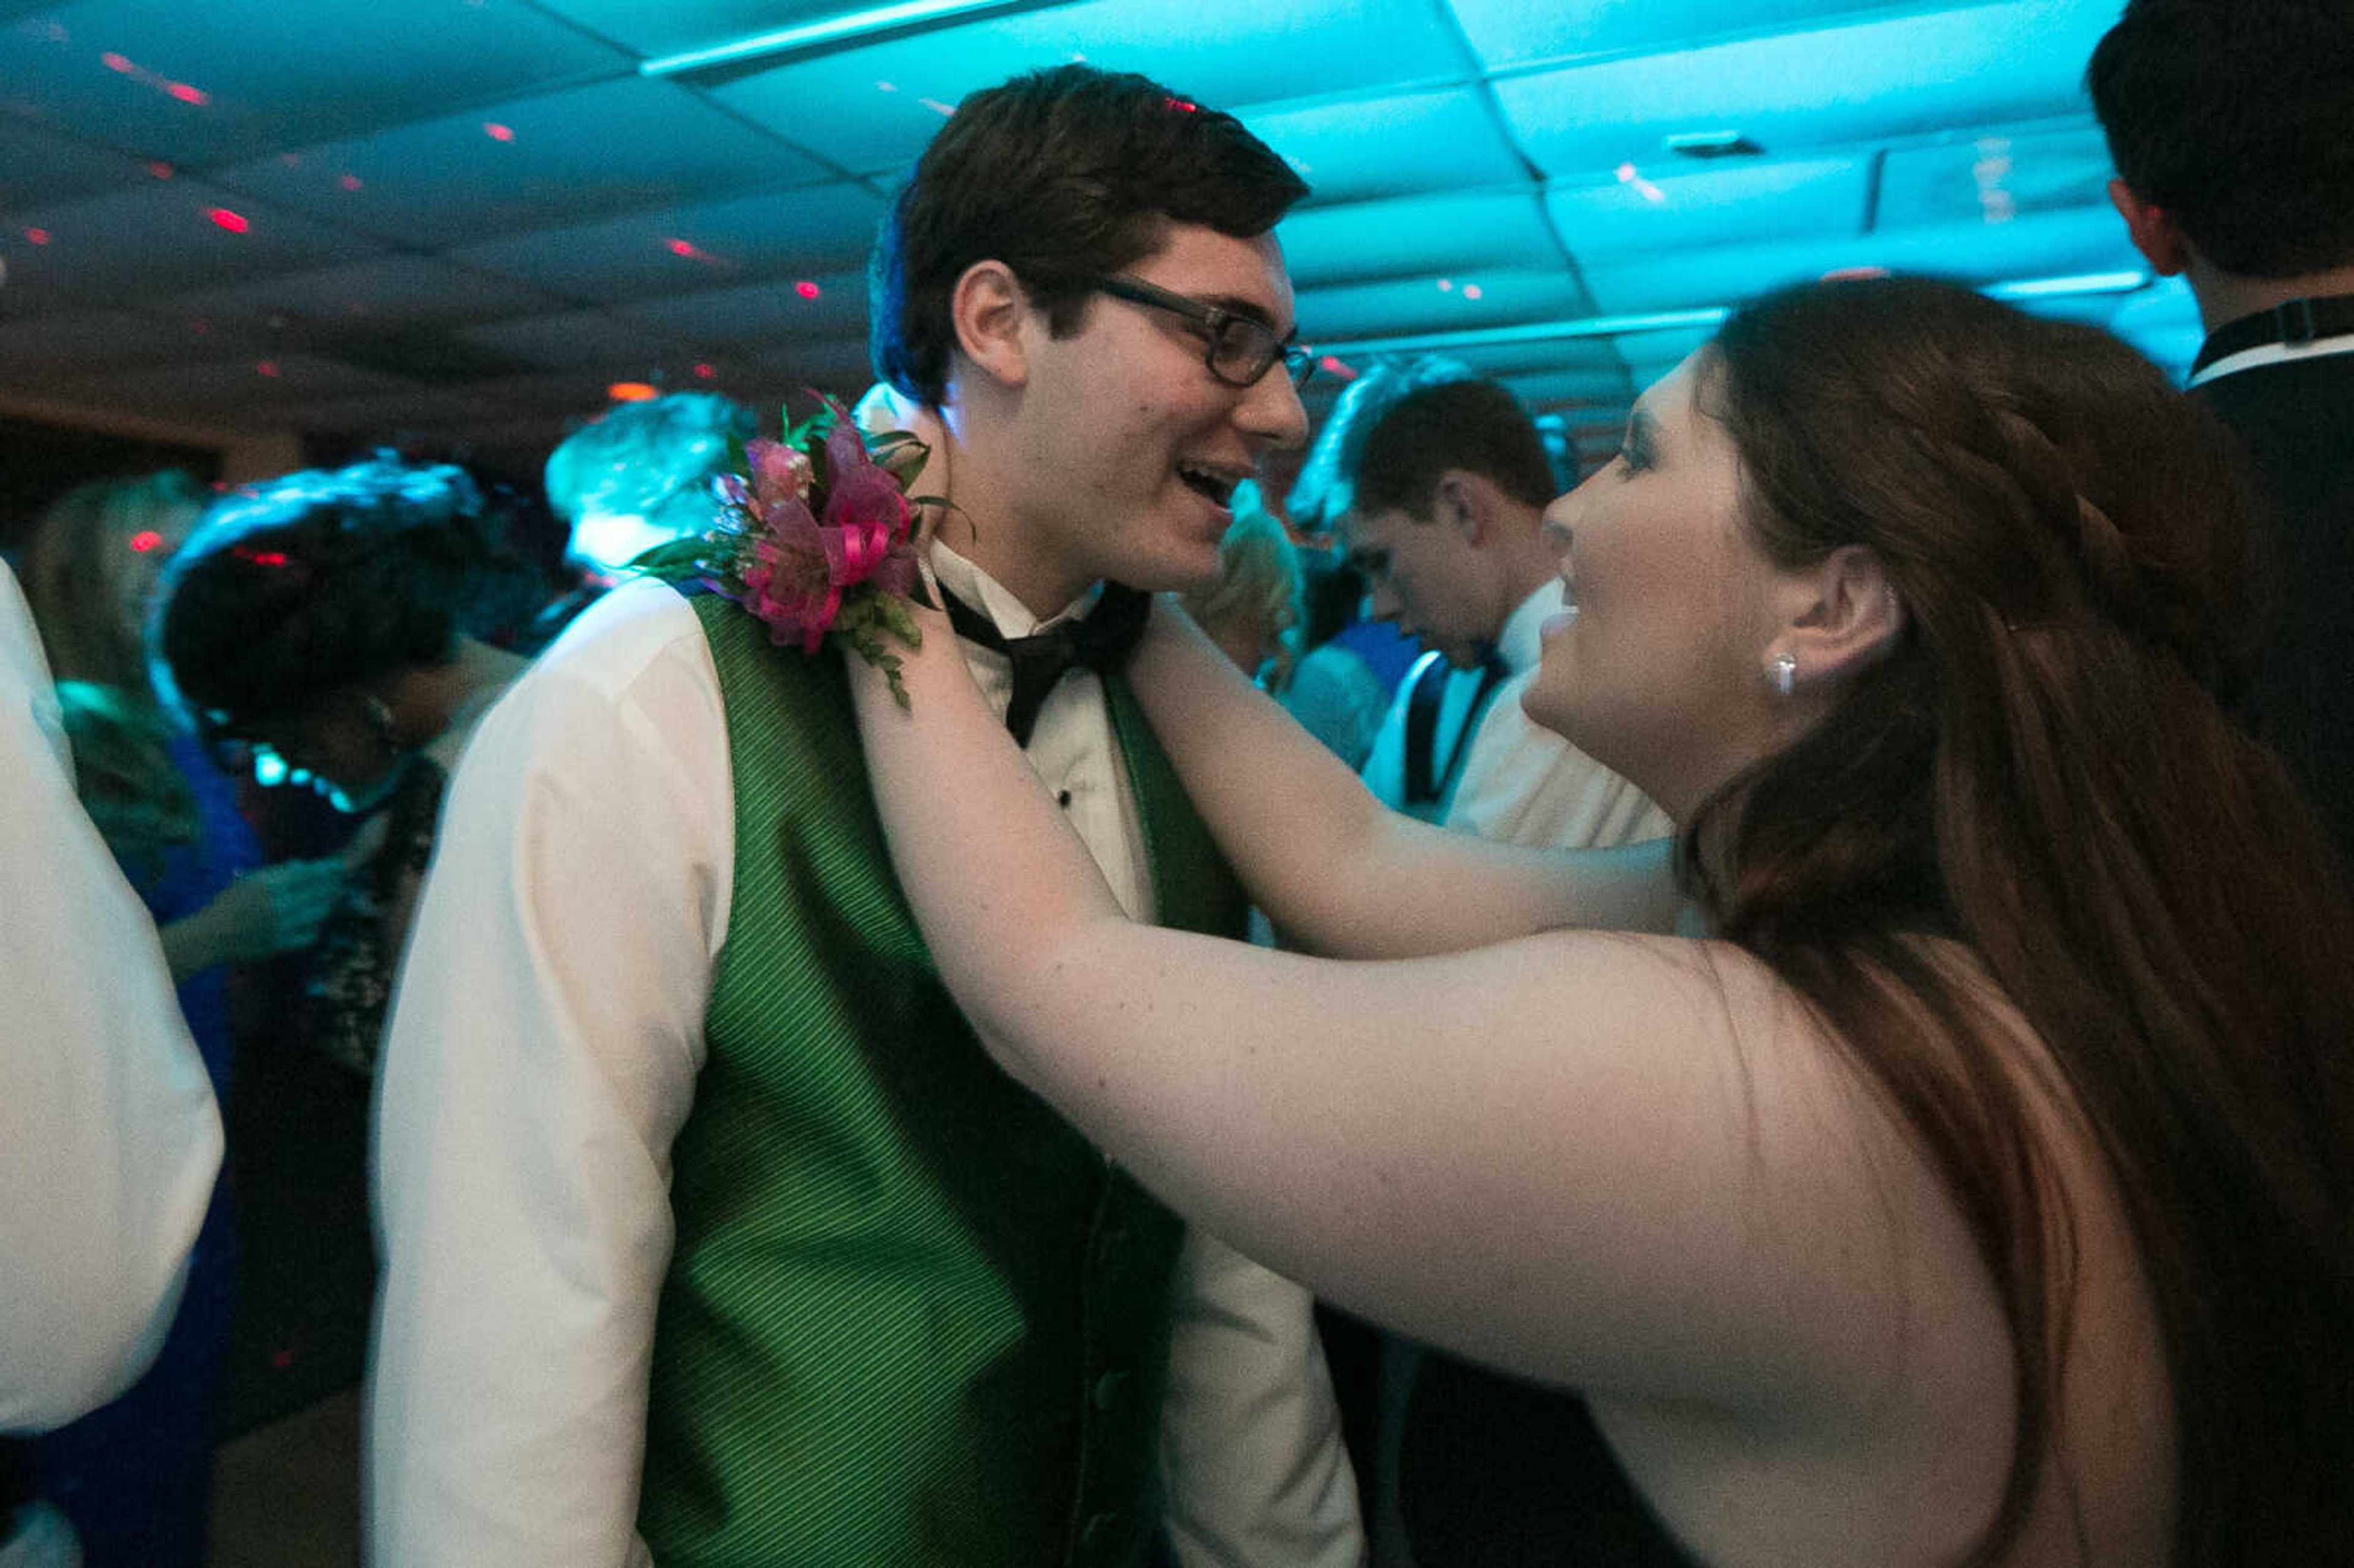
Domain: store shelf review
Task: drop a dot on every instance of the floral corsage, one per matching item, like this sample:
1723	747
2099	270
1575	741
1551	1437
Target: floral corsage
816	537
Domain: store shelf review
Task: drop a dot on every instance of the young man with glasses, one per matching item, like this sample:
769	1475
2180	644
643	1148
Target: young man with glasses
712	1236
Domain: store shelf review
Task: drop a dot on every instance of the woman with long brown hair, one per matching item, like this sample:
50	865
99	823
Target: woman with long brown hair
1980	1188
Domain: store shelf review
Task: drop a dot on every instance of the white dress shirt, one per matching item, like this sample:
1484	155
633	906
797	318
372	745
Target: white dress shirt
1516	782
542	1058
109	1137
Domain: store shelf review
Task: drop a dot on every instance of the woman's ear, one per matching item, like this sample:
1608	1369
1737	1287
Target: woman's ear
1847	614
990	309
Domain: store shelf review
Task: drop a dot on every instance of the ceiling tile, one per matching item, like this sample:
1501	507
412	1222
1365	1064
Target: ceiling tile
162	238
816	229
528	164
1995	174
2041	246
75	343
760	312
215	386
580	340
1572	387
226	80
872	110
1355	149
1476	298
39	167
1513	32
676	26
1936	72
1424	237
1638	213
383	292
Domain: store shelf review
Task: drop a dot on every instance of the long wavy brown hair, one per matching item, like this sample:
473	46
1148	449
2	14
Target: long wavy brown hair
2041	770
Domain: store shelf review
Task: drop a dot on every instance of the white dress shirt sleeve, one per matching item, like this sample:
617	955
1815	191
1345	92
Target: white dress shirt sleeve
1523	784
110	1140
1251	1455
541	1059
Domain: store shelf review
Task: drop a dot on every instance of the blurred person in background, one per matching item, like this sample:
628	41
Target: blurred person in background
1354	663
327	625
135	1476
1253	611
636	476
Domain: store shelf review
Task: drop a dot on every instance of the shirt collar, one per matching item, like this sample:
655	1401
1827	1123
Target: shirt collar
1521	642
993	599
2297	329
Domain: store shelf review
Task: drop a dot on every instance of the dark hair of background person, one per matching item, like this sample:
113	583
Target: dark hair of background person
1326	487
1474	425
2040	770
2237	118
89	565
295	589
1060	174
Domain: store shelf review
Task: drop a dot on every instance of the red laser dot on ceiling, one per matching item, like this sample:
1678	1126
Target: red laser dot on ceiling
161	170
38	236
1470	291
705	372
224	219
351	182
144	540
679	247
187	94
807	290
115	62
498	132
267	367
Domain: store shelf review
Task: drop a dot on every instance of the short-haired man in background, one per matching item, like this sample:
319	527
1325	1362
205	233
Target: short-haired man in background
2232	125
711	1233
1445	522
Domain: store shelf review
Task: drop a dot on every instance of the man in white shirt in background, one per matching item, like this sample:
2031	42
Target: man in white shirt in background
109	1137
1445	516
1445	520
711	1235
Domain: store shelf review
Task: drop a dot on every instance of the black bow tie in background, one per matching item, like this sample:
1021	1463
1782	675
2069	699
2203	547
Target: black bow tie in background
1099	639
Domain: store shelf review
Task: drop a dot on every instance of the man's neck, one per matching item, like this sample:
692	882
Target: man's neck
985	529
2227	296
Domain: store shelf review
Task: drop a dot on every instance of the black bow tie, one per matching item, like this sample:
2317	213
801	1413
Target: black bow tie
1099	639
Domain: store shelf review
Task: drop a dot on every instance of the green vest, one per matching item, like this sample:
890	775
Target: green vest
912	1316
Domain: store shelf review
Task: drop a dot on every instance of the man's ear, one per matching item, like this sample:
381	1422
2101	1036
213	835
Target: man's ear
1847	615
991	311
2152	230
1464	502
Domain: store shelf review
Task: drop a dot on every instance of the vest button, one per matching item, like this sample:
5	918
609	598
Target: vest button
1110	1388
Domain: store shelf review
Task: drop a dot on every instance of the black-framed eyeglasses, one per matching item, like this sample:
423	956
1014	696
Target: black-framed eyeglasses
1240	348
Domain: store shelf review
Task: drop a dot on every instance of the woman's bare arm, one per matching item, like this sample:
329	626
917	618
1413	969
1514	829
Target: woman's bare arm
1562	1154
1337	871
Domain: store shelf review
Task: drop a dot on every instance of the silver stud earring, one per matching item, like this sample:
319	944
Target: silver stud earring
1784	673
